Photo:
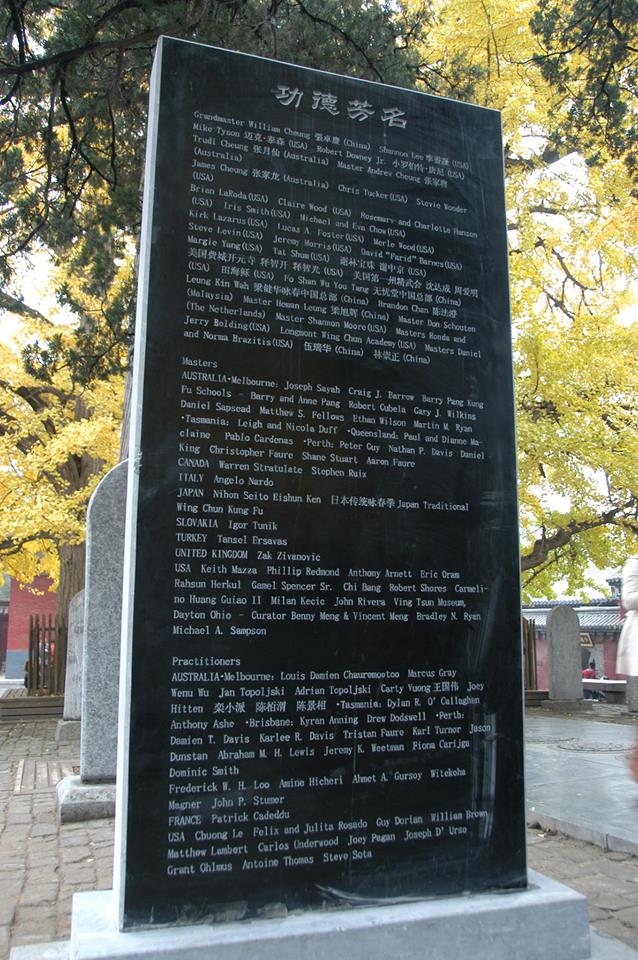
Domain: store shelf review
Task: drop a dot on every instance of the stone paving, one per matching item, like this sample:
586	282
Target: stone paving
43	863
608	880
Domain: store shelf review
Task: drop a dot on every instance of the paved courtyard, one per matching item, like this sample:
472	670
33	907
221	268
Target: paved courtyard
42	863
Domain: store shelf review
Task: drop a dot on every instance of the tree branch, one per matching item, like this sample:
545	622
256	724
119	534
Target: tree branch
77	146
544	546
65	57
9	547
342	33
34	395
13	305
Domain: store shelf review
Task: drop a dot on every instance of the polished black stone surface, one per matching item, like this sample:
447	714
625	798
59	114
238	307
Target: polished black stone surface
326	677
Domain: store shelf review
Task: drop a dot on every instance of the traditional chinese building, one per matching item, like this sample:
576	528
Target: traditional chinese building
600	627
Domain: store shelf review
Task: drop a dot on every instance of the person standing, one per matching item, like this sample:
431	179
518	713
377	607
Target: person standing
627	659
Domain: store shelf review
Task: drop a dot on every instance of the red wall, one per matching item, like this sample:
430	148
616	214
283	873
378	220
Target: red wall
609	667
23	604
605	664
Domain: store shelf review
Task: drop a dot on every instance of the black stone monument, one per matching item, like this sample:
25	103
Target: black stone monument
323	674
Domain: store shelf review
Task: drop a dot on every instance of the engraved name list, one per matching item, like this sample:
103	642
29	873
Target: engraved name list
325	654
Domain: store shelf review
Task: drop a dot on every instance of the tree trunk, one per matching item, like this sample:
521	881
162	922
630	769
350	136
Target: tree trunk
77	471
71	576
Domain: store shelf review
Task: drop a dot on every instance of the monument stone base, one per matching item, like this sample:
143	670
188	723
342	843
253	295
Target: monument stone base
546	920
68	731
79	801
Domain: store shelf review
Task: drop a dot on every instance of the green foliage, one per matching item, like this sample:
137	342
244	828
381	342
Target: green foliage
590	55
75	81
573	257
55	443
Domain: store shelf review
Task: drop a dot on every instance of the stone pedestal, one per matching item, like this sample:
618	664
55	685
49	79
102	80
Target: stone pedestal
68	731
546	920
79	801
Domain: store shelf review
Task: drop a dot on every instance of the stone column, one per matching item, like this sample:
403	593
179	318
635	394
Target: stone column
92	794
563	655
69	726
632	695
102	627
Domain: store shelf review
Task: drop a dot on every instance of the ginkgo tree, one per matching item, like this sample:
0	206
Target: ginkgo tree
576	353
57	438
572	218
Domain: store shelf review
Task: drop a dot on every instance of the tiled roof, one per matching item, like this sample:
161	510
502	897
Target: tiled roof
602	618
577	604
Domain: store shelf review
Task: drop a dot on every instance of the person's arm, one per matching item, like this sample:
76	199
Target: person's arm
630	584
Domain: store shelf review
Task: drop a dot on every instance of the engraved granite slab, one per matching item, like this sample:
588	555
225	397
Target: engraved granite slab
322	682
103	627
73	677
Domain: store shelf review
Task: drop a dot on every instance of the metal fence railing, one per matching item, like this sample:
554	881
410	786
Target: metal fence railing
46	665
